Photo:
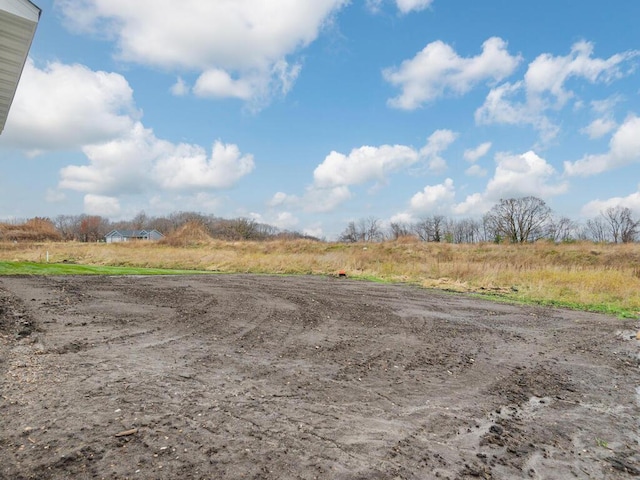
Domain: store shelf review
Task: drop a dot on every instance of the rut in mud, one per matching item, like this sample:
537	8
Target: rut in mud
240	376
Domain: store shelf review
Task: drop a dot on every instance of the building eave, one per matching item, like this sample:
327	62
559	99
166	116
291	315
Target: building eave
18	23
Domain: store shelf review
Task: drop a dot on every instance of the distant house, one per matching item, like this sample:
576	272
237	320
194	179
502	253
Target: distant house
115	236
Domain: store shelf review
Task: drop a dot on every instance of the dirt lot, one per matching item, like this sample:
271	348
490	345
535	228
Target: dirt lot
239	376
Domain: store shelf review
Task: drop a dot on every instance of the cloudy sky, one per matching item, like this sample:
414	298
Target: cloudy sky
307	114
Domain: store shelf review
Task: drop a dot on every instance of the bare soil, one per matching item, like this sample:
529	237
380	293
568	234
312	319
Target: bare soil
241	376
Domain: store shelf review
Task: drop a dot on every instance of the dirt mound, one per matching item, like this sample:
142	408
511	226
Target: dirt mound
14	318
189	234
34	230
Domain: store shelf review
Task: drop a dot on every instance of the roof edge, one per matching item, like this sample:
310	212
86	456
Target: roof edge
24	9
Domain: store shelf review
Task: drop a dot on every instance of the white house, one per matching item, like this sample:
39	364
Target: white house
18	22
115	236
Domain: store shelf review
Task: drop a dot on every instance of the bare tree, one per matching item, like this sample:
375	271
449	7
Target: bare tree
423	229
264	231
162	224
562	229
67	226
431	229
372	229
519	220
93	228
629	231
180	218
364	230
241	229
622	227
465	231
140	221
596	230
439	222
349	234
399	229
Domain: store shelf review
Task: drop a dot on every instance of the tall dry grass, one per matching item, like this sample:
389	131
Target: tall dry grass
582	274
33	230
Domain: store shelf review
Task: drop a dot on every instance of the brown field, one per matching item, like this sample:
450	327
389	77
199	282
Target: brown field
304	377
601	277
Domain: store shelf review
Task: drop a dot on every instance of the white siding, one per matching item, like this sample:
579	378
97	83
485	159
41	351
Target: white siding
18	22
116	239
21	8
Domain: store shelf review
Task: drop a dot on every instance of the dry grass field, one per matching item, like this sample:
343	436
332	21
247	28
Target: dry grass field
584	275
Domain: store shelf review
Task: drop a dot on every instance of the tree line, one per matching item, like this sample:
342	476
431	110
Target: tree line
93	228
513	220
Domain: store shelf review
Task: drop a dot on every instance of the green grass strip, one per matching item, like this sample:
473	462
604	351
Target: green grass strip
607	309
33	268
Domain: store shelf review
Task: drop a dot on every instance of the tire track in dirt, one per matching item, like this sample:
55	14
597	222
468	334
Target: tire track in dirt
242	376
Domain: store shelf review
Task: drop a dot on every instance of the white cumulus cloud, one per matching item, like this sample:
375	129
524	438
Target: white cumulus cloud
218	83
543	92
316	199
549	74
239	47
594	207
188	167
141	162
406	6
438	70
474	154
433	197
515	176
323	200
405	218
180	88
66	106
476	171
71	107
624	149
363	165
101	205
502	107
285	221
119	166
281	198
438	142
333	177
599	127
523	175
475	204
314	230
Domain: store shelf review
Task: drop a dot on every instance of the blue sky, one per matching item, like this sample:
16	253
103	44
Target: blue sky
307	114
